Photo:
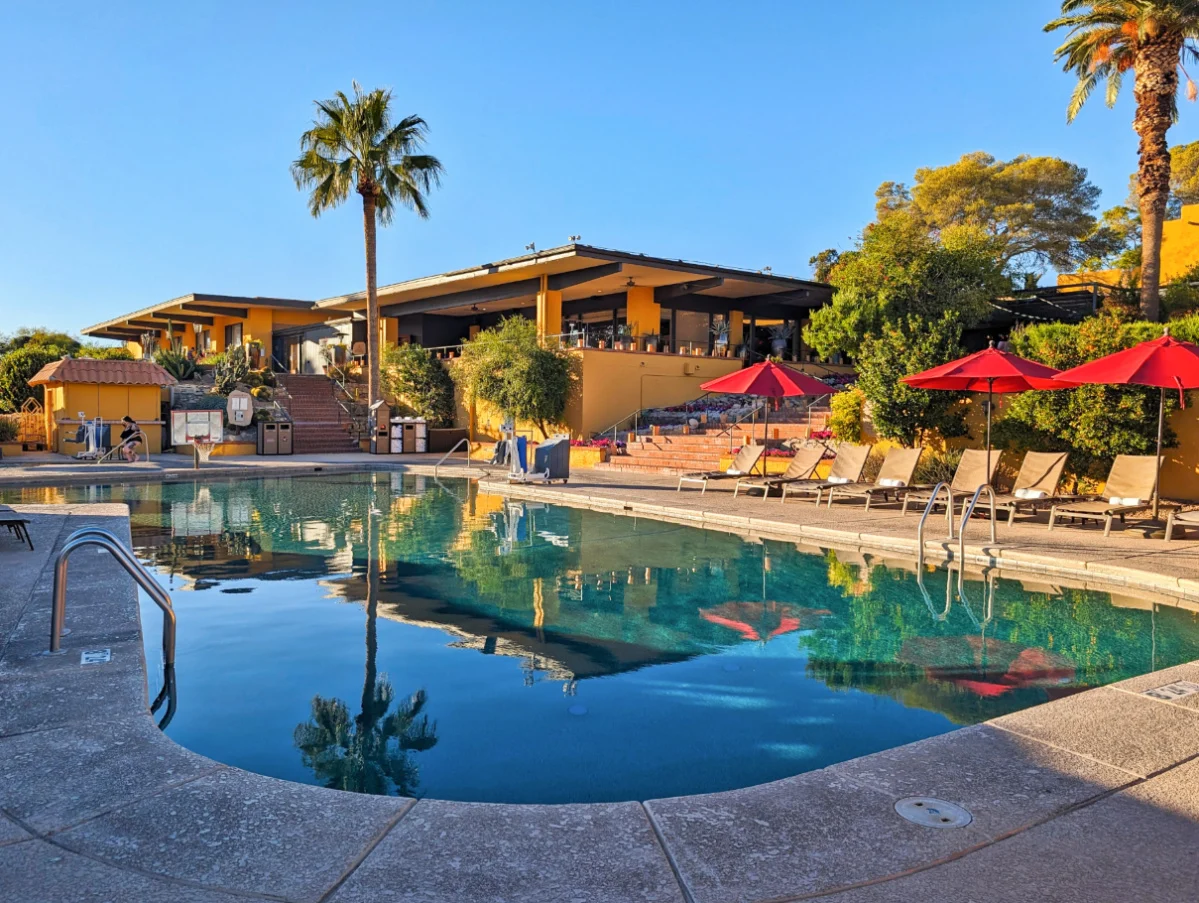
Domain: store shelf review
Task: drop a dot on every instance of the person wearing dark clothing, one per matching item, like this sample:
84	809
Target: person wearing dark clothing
130	438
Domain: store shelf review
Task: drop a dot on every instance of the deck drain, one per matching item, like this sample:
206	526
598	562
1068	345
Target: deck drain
931	813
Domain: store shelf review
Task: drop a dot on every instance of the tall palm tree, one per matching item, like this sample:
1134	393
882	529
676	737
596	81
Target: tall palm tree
1151	37
369	753
353	145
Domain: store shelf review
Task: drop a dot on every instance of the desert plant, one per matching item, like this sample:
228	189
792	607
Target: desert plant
262	392
845	419
234	369
174	363
8	429
937	466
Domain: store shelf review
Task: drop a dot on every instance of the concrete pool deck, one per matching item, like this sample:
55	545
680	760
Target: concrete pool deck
1094	797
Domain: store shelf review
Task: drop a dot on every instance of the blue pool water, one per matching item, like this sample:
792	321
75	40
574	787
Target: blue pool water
389	633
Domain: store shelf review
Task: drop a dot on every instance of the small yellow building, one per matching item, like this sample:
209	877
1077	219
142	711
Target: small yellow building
109	390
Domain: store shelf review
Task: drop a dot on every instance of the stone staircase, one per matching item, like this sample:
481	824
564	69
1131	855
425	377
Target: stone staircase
672	453
321	424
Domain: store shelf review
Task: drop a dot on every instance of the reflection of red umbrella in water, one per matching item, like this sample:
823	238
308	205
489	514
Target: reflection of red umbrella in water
986	667
763	620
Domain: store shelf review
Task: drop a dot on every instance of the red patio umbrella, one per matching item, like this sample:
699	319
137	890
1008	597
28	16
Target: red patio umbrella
990	371
768	380
1164	363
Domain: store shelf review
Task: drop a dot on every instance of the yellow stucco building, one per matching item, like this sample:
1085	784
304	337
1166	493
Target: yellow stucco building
648	330
109	390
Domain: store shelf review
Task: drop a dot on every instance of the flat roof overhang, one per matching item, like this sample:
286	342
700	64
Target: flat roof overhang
593	278
196	307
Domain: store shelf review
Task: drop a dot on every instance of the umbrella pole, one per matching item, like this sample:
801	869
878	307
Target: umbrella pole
990	395
765	434
1157	478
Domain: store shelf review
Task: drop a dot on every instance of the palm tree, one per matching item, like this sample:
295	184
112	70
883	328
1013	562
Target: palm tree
369	754
353	145
1150	37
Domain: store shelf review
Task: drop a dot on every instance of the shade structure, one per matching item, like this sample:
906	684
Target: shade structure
768	380
1163	363
990	371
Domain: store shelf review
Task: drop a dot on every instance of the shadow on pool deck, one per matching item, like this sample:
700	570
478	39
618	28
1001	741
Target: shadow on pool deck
1094	797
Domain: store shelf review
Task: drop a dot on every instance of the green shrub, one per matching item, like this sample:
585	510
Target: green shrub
1093	423
17	368
412	375
234	369
507	367
105	352
938	466
845	419
262	392
8	429
175	363
898	411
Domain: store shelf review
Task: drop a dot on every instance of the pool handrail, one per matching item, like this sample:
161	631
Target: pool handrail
457	445
968	511
94	536
932	499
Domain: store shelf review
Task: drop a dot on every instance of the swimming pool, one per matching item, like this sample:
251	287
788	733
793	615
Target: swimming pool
389	633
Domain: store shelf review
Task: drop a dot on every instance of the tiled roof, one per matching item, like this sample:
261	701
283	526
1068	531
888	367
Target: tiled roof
86	370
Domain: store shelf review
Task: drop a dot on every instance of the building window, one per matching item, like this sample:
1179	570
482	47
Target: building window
232	335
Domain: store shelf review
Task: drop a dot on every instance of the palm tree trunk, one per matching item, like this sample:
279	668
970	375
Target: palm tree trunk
372	299
370	678
1155	88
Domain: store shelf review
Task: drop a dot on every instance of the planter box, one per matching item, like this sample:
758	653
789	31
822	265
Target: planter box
11	449
582	456
442	440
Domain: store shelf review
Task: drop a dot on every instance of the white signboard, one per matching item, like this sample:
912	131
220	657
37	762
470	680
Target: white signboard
191	426
240	408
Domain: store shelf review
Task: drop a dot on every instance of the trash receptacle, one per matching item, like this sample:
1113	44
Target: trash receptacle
268	438
286	435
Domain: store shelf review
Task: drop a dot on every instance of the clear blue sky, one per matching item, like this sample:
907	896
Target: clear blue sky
147	145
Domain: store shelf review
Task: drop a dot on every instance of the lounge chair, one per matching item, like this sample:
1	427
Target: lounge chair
1037	485
16	525
847	467
970	474
1129	488
743	464
893	478
802	466
1179	518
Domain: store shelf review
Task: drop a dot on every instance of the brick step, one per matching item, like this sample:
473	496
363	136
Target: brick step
670	457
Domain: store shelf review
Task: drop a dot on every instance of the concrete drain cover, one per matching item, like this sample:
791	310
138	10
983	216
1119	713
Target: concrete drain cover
933	813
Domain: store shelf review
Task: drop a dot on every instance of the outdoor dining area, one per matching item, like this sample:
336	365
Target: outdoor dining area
1131	489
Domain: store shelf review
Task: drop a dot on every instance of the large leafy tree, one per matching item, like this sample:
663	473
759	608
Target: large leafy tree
354	145
1037	210
1107	38
900	270
509	368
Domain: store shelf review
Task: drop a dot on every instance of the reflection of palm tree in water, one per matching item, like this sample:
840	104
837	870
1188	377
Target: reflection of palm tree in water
371	753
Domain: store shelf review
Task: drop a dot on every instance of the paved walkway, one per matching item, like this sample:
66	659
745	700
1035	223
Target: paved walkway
1094	797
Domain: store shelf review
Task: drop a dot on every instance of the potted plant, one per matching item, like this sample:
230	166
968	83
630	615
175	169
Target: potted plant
780	334
720	332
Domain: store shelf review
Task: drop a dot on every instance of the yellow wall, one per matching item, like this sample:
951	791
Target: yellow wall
1180	252
643	312
549	310
613	384
65	401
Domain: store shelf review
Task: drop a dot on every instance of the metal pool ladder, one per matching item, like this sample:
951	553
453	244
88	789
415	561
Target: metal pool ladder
932	500
94	536
967	512
457	445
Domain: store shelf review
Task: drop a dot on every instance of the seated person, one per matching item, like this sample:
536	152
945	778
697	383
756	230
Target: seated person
130	437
